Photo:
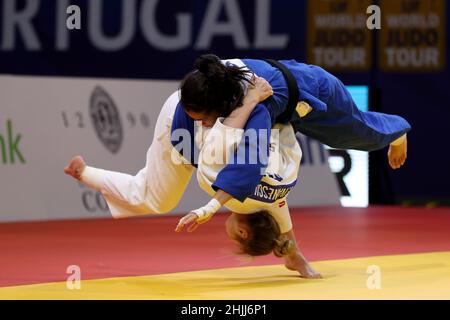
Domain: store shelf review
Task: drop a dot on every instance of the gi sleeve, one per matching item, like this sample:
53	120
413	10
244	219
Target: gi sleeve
219	142
247	165
183	135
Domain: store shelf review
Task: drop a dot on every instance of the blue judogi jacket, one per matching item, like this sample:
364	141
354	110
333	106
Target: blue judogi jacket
335	121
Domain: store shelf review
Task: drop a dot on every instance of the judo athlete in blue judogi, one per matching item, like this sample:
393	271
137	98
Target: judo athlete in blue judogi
323	110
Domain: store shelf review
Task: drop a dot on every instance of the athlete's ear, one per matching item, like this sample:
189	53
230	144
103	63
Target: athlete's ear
243	233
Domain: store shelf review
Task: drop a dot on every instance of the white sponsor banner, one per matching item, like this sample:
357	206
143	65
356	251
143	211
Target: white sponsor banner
44	121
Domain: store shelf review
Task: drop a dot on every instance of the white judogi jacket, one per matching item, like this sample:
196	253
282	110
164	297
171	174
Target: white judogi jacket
219	142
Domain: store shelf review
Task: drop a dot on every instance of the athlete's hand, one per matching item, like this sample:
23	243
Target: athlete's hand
201	215
260	90
190	221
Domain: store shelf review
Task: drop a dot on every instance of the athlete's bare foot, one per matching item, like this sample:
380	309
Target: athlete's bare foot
302	266
397	154
75	167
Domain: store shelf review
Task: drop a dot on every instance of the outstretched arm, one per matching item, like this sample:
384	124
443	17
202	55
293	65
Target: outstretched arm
295	261
196	217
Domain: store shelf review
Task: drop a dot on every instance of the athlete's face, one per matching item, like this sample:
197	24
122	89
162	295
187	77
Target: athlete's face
204	119
236	227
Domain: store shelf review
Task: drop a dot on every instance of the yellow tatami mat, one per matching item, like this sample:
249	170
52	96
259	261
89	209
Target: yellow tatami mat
414	276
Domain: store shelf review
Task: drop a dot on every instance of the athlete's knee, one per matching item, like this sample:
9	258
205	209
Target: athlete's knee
165	198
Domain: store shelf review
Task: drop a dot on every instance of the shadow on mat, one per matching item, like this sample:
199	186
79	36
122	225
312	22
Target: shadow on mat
190	287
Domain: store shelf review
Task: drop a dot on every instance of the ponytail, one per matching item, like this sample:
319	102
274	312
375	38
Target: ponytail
283	247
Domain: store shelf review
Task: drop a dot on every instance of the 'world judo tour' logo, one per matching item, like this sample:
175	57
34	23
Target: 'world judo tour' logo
106	120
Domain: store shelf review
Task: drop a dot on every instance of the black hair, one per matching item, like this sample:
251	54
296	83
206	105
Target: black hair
264	236
214	88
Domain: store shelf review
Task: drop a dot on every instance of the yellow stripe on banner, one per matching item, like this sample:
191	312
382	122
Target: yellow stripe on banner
414	276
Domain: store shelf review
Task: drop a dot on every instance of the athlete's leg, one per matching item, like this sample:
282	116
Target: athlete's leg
377	129
342	125
157	188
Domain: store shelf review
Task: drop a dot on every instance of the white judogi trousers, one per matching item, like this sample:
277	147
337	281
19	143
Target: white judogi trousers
155	189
